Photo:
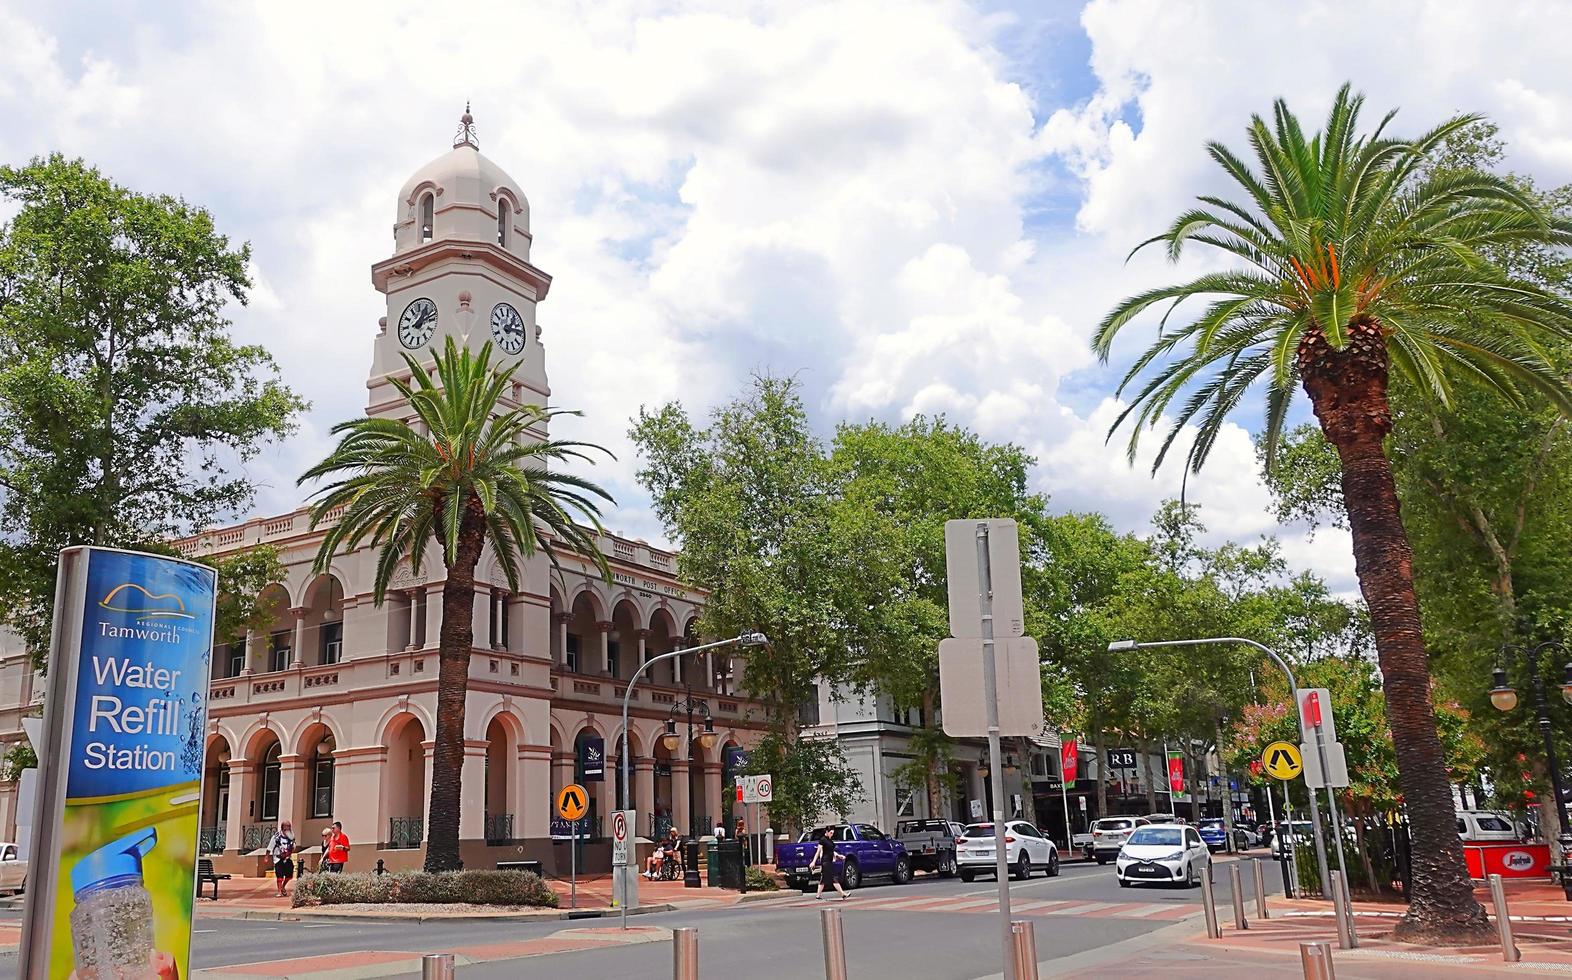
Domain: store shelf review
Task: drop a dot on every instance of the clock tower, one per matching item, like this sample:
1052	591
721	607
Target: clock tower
460	268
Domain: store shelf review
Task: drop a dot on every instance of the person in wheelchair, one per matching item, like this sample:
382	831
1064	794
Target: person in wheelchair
666	862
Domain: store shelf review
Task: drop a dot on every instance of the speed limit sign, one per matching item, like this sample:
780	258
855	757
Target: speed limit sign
757	789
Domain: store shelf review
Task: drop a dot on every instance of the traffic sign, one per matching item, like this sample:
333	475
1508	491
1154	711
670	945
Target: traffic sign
1019	680
1004	572
1336	765
757	789
621	830
572	802
1282	760
1315	709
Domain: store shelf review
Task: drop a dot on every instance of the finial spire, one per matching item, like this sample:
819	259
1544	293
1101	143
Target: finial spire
466	132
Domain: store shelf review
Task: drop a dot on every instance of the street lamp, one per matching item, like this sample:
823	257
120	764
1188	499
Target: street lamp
1124	646
1505	699
706	736
669	737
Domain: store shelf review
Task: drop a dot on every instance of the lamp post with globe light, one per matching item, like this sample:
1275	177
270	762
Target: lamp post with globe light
1504	697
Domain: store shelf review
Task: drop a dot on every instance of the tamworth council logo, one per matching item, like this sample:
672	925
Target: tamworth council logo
161	612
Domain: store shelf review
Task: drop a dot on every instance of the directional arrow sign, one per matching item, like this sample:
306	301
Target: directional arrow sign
572	802
1281	760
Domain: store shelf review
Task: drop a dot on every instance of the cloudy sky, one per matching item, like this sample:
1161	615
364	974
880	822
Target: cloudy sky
911	206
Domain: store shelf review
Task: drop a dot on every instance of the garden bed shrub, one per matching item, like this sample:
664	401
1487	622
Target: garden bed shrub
761	881
474	887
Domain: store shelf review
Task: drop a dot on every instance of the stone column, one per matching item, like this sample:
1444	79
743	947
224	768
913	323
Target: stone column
533	799
412	619
676	663
712	792
359	801
603	629
643	635
561	775
297	650
430	749
679	795
242	780
709	671
253	653
472	797
433	628
644	796
560	621
294	788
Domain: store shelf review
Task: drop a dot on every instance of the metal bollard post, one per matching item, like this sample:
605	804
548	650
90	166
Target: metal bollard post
685	954
1509	951
436	966
1023	949
1340	910
1260	889
1209	906
1236	883
834	944
1316	958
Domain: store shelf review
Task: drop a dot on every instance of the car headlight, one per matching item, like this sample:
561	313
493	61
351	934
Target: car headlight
1175	856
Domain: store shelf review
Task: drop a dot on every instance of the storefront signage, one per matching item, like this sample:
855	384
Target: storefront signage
1176	791
592	758
112	879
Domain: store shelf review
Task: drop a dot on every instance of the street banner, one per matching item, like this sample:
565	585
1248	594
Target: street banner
1176	790
1069	761
113	872
592	758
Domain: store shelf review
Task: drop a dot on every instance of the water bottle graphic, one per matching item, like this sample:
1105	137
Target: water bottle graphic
112	923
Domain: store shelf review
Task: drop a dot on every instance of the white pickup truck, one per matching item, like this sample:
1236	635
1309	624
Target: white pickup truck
931	844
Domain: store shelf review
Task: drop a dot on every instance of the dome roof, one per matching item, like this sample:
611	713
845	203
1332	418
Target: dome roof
467	189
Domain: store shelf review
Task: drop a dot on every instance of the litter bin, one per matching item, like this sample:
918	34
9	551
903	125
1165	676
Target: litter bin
727	865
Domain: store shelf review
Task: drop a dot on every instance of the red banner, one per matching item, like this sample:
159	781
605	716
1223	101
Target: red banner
1069	760
1176	772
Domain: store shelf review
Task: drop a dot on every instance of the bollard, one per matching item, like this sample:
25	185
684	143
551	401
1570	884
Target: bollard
685	954
1209	906
380	869
834	945
1316	958
1260	889
1237	885
1340	911
436	966
1023	949
1509	951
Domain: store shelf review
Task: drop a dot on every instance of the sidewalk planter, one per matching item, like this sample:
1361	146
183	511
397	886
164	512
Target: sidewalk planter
1507	860
475	887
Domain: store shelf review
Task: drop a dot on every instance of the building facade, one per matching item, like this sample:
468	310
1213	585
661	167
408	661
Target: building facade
328	713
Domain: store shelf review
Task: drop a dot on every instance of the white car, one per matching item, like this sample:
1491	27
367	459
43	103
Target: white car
1163	853
13	871
1109	834
1485	825
1025	848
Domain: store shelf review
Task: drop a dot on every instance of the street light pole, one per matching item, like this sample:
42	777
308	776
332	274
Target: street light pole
1504	698
743	640
1118	646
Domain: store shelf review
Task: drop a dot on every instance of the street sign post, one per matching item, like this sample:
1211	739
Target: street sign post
1318	724
572	804
622	822
983	566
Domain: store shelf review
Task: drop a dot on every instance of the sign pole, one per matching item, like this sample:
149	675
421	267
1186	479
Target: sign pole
573	867
1064	797
1331	800
995	769
1293	852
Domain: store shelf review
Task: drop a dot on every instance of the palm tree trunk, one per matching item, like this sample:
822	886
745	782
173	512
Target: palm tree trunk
447	756
1348	390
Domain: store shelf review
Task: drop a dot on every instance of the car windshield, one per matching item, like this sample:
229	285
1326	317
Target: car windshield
1157	835
980	830
1488	822
1112	825
1211	824
835	833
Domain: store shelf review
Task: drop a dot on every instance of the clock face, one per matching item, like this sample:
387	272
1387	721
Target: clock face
418	323
507	328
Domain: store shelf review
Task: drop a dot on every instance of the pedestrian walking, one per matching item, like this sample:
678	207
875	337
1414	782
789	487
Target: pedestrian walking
281	848
336	854
829	862
720	831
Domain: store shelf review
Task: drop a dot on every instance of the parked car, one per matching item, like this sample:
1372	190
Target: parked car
930	844
1302	834
869	854
13	870
1163	818
1213	832
1083	843
1484	825
1163	853
1109	834
1025	848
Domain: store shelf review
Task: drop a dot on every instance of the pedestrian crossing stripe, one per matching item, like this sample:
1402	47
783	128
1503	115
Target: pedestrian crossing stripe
1035	909
1281	760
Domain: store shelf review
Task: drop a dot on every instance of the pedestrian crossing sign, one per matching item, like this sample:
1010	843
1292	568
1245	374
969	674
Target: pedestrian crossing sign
1282	760
572	802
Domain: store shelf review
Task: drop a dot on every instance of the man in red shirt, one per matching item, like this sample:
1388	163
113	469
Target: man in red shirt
337	849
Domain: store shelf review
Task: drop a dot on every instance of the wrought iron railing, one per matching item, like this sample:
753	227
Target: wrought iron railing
255	835
662	824
406	831
499	828
699	825
210	840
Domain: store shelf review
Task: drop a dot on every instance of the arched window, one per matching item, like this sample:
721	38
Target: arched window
428	204
502	222
322	779
271	773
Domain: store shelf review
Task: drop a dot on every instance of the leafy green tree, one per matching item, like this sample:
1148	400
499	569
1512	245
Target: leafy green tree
810	777
471	475
124	402
1356	262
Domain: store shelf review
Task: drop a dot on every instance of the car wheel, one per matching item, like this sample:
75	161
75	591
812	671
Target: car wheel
903	871
852	876
1023	867
947	866
1053	864
1193	878
1124	883
1100	859
967	876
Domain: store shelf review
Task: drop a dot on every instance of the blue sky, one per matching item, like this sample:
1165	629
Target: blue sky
913	207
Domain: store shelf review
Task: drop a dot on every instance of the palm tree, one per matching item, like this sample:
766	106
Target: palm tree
1353	262
471	475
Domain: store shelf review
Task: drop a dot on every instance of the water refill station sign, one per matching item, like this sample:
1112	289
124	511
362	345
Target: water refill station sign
115	827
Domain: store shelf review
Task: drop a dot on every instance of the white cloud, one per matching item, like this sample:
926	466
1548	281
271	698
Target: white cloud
843	191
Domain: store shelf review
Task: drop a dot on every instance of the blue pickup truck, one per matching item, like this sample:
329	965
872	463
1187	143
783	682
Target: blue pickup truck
869	854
